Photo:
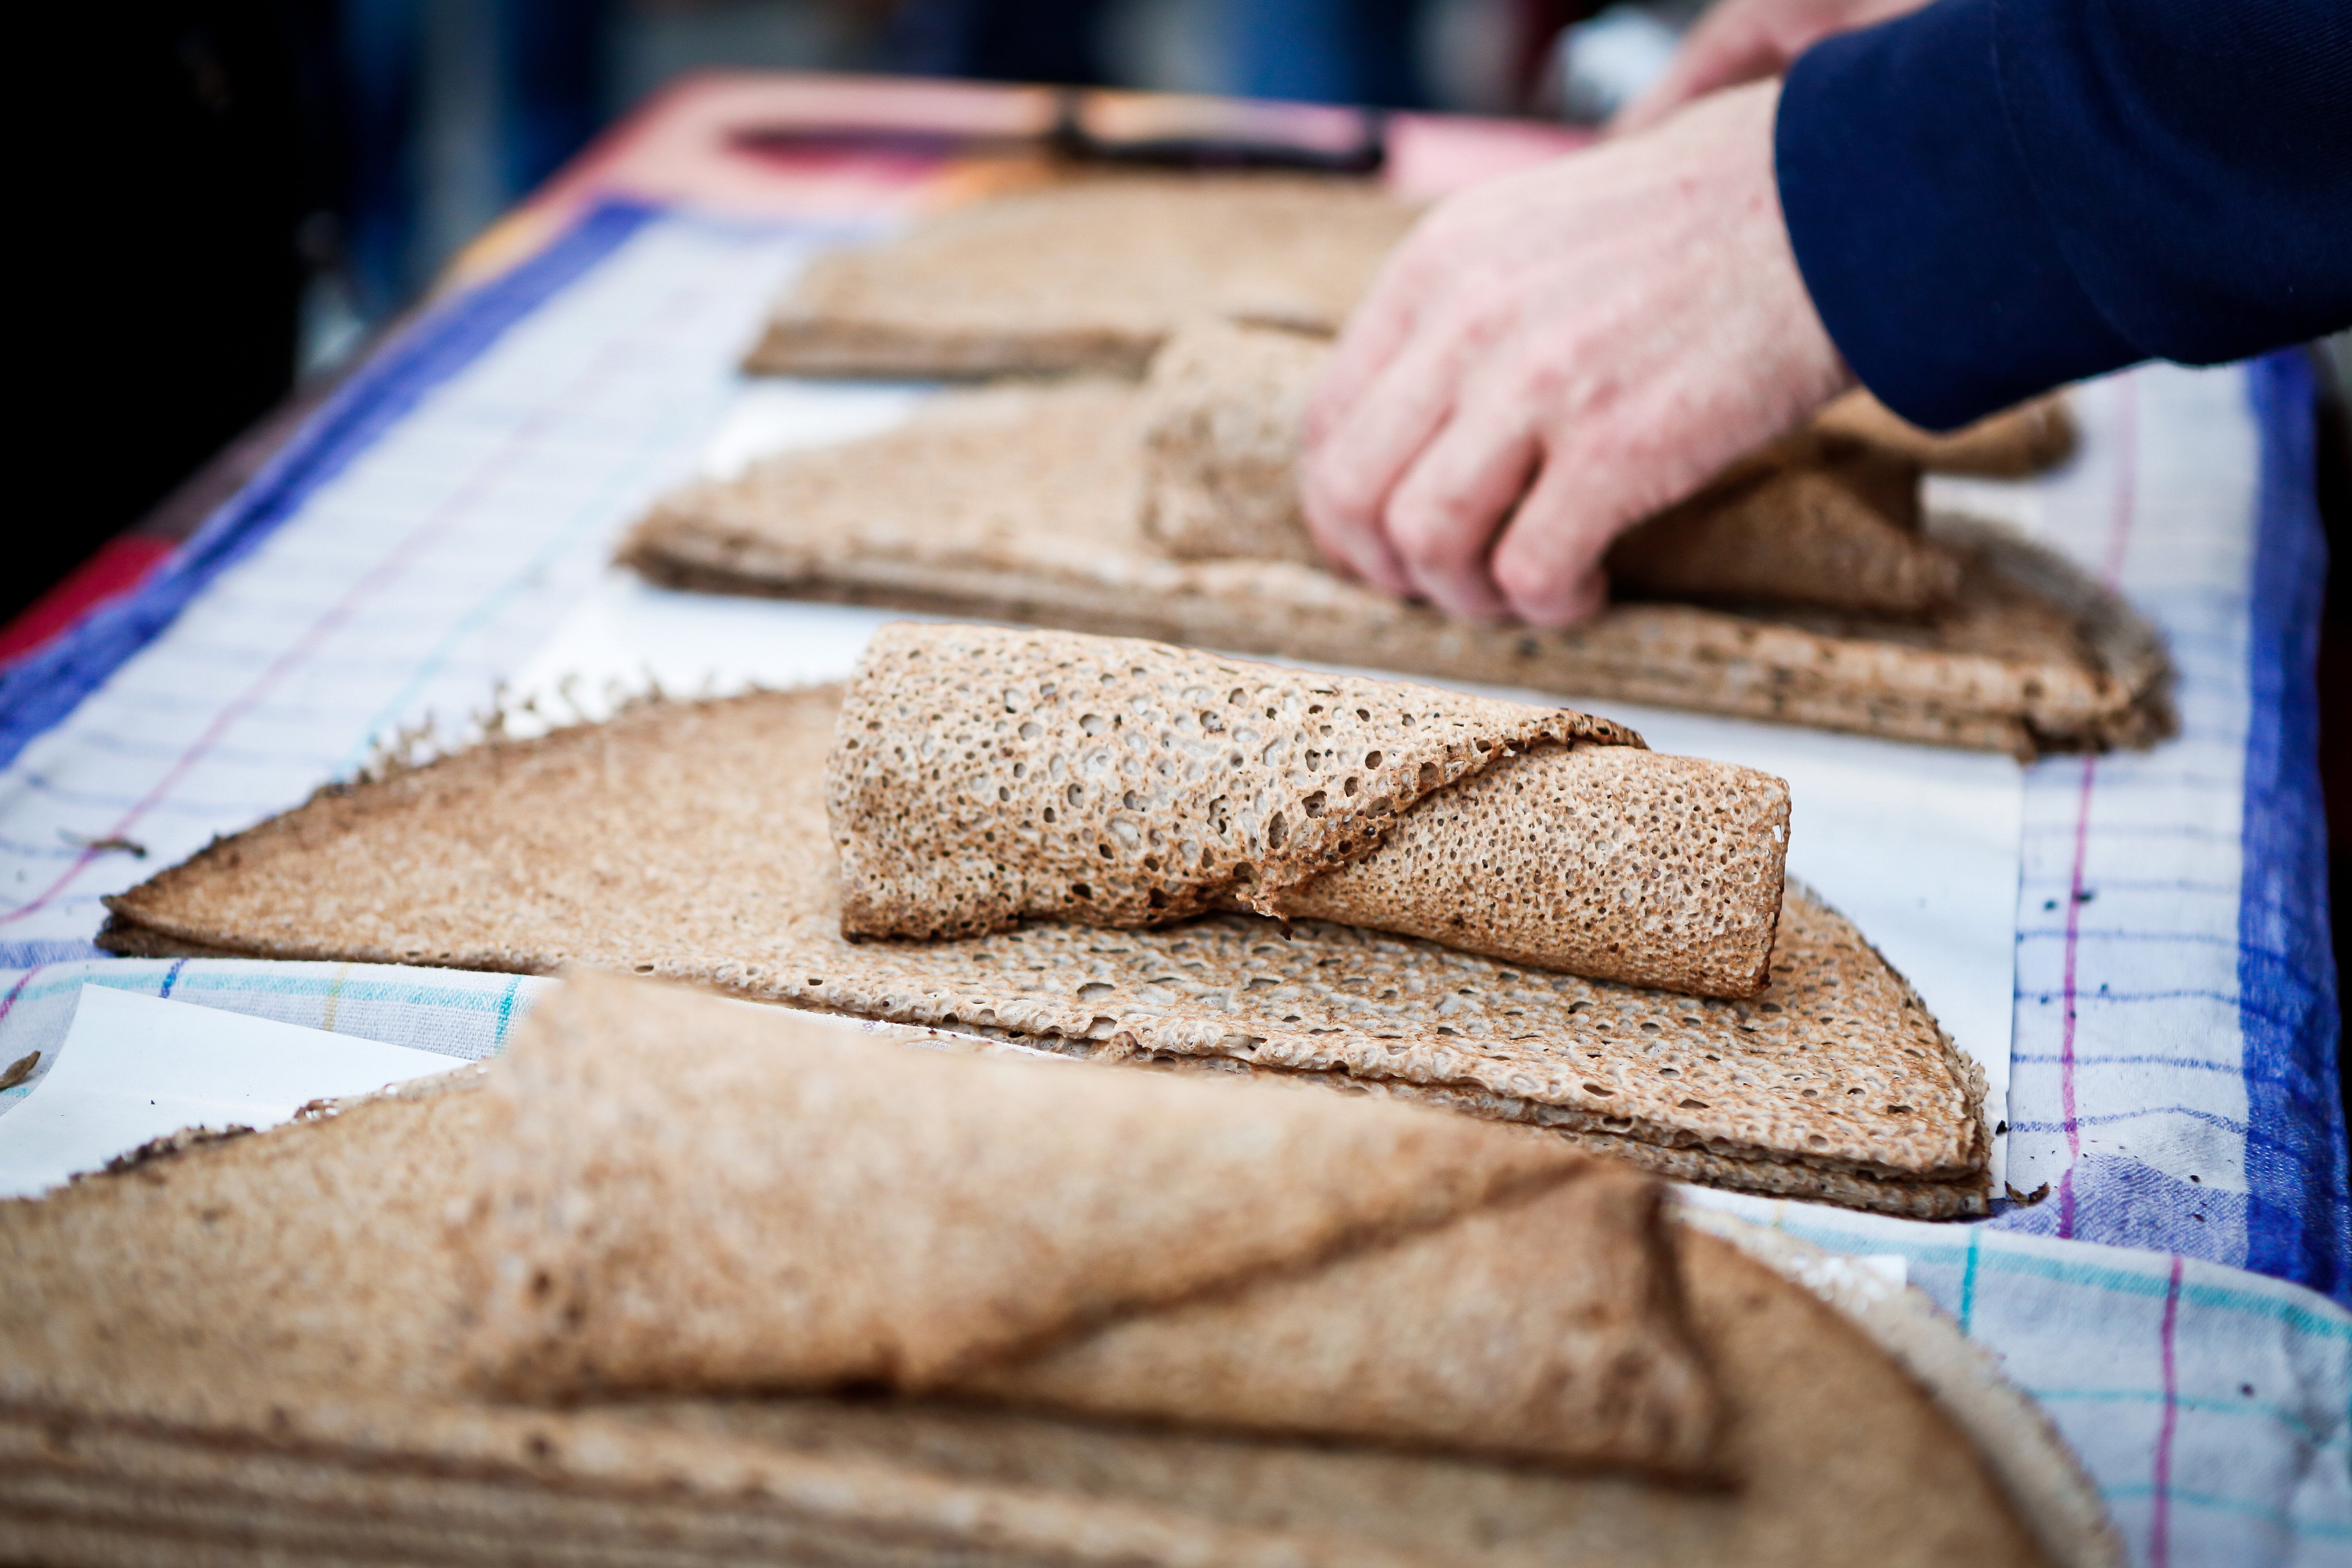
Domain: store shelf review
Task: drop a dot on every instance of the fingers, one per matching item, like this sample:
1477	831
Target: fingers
1372	338
1546	565
1346	476
1444	514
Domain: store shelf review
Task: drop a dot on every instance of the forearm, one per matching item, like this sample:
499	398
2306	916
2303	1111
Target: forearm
1993	196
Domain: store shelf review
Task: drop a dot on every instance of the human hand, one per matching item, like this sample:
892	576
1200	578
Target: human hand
1554	355
1741	41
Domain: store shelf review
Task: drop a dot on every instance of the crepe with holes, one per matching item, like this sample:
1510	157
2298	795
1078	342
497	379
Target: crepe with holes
981	776
1024	504
690	840
271	1344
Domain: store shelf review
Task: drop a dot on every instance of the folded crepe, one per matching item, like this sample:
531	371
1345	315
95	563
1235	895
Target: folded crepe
1819	520
1096	272
690	841
1089	275
277	1346
2008	445
1024	504
684	1196
982	776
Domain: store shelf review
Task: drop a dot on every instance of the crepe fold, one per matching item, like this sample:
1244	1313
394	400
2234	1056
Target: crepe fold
1092	274
270	1349
690	841
2009	443
686	1196
1026	503
1826	519
981	776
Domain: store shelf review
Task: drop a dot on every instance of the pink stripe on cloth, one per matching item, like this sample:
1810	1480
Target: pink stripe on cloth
2159	1519
8	1003
2111	571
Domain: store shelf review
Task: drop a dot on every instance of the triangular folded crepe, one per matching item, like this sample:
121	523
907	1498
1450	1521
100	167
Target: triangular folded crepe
1090	275
981	776
1021	503
684	1196
260	1348
690	840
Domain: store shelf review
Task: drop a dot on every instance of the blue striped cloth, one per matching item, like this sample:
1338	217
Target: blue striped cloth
2174	1105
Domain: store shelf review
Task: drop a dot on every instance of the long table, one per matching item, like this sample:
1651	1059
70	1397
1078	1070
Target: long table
2169	1271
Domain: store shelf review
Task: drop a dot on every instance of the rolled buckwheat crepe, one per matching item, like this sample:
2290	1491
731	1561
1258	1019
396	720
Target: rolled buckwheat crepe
1823	518
982	776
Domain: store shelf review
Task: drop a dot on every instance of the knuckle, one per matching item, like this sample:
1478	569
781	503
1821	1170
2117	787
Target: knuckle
1432	540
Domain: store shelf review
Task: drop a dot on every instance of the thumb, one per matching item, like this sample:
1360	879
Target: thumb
1726	49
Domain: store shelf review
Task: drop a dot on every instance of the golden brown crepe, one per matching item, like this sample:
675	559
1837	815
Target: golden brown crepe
982	776
690	840
266	1348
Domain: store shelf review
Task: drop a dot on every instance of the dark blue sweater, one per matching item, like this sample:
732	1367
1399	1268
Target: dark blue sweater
1990	197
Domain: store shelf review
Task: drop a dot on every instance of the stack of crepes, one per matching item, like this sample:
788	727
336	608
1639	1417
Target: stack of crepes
1802	585
1512	912
681	1281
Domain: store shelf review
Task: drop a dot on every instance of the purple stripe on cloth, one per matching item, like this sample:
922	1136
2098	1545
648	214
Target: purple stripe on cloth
2119	523
8	1003
33	954
2133	1205
2159	1544
439	348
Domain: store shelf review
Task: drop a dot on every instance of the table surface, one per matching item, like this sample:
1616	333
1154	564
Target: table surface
446	514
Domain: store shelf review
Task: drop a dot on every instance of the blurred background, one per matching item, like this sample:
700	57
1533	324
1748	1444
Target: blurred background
230	196
241	191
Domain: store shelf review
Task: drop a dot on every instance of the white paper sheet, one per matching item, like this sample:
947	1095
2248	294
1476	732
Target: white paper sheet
134	1068
1917	845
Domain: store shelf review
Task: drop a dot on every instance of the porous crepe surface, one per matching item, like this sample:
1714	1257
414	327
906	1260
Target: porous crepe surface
154	1407
1817	520
1052	744
1598	860
1224	409
1683	1163
693	1195
1020	503
2010	444
981	775
1093	274
689	840
171	1285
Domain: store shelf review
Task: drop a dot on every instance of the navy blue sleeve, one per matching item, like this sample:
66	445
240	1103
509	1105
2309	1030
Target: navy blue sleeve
1990	197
